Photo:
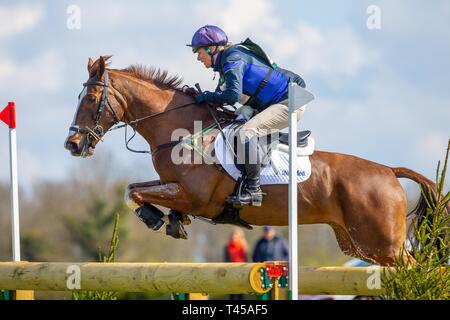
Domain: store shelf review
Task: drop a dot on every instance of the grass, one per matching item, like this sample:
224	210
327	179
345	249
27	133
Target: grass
102	295
427	276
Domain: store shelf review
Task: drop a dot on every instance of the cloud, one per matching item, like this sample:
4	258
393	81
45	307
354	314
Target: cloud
14	20
336	52
120	14
42	72
409	20
239	17
430	148
328	53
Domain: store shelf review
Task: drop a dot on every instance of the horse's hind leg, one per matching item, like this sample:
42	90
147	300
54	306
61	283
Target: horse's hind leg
355	249
375	222
344	241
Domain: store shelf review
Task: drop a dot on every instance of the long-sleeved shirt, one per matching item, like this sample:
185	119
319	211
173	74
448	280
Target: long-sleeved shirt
242	72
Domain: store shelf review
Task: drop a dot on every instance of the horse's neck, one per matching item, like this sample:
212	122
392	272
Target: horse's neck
144	99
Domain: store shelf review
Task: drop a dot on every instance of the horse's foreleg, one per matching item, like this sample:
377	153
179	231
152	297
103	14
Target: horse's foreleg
141	196
143	184
169	195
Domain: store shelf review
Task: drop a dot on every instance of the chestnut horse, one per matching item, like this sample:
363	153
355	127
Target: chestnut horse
361	200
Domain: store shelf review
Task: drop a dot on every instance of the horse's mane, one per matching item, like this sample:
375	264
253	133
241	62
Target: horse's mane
155	76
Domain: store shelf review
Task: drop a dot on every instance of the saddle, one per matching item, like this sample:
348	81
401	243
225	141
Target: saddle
302	138
274	162
265	143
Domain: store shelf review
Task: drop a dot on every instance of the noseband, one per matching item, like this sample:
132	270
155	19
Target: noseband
97	132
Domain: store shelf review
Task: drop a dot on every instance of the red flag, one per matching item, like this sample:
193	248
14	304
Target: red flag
8	115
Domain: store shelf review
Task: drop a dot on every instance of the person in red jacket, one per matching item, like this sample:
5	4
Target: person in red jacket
236	251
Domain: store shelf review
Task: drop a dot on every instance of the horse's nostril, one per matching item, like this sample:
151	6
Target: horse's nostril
71	146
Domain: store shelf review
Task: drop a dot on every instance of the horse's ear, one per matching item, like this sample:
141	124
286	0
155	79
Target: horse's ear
90	64
106	58
101	67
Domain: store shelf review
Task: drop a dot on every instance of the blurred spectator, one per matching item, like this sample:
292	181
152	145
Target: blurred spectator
271	247
236	251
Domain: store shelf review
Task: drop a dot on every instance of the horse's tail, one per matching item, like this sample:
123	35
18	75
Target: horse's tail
429	193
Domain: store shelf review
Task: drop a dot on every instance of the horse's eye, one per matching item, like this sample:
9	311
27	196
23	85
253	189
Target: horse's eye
91	99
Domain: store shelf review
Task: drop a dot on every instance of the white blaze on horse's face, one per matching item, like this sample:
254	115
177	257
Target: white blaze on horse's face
72	140
80	98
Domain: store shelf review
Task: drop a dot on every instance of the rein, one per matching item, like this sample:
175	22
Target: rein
134	123
97	132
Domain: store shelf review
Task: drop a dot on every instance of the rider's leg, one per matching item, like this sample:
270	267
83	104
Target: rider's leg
249	155
268	121
274	117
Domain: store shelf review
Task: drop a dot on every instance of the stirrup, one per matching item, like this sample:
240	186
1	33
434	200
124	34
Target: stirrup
257	197
235	198
238	202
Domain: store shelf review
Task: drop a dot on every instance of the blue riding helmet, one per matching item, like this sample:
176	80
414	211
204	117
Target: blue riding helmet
208	35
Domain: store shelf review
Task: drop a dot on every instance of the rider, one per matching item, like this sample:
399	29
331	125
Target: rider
249	77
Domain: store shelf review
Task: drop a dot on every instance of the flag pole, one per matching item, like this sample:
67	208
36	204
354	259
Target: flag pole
8	115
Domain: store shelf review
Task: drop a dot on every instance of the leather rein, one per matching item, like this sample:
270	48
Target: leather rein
97	133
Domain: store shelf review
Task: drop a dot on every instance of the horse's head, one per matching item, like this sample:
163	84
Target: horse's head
95	114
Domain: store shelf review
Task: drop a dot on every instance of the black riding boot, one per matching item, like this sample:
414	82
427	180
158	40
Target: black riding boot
252	193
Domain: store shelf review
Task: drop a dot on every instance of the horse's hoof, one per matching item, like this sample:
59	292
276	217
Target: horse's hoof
186	220
176	230
183	218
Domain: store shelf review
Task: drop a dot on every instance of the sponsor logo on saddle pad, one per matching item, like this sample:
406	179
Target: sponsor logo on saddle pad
274	171
300	173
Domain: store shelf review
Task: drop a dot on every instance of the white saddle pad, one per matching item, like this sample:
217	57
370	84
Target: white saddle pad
276	171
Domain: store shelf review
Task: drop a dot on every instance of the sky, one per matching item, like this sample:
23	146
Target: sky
381	93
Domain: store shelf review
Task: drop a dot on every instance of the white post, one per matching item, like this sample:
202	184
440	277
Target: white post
14	195
298	97
8	115
293	224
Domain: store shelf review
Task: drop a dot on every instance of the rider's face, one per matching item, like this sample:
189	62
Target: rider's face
204	57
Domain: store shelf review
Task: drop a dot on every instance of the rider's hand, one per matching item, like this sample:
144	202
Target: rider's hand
190	91
204	96
200	98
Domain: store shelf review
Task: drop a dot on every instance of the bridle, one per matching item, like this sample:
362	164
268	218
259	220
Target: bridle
97	132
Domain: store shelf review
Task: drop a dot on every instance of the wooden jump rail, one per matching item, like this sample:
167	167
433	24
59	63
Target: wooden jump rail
215	278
